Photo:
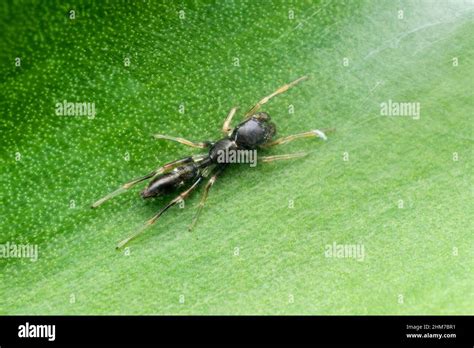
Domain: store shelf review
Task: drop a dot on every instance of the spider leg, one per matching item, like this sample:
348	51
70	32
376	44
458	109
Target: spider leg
281	157
183	195
158	171
205	193
280	90
310	134
226	128
200	145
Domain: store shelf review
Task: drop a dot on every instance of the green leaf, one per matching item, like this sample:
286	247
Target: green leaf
396	186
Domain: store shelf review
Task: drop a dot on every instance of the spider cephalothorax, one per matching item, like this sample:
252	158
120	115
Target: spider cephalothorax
253	132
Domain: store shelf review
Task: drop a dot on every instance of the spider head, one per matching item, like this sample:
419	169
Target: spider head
254	131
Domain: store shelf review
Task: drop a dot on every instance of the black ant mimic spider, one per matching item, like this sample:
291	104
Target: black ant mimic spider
254	132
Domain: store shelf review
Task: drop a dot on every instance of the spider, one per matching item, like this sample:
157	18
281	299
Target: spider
254	132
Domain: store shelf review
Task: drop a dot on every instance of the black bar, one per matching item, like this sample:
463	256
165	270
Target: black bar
135	330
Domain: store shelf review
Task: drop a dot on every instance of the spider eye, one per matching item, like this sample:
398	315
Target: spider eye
262	116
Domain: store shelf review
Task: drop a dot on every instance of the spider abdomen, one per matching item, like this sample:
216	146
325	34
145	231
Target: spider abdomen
169	182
